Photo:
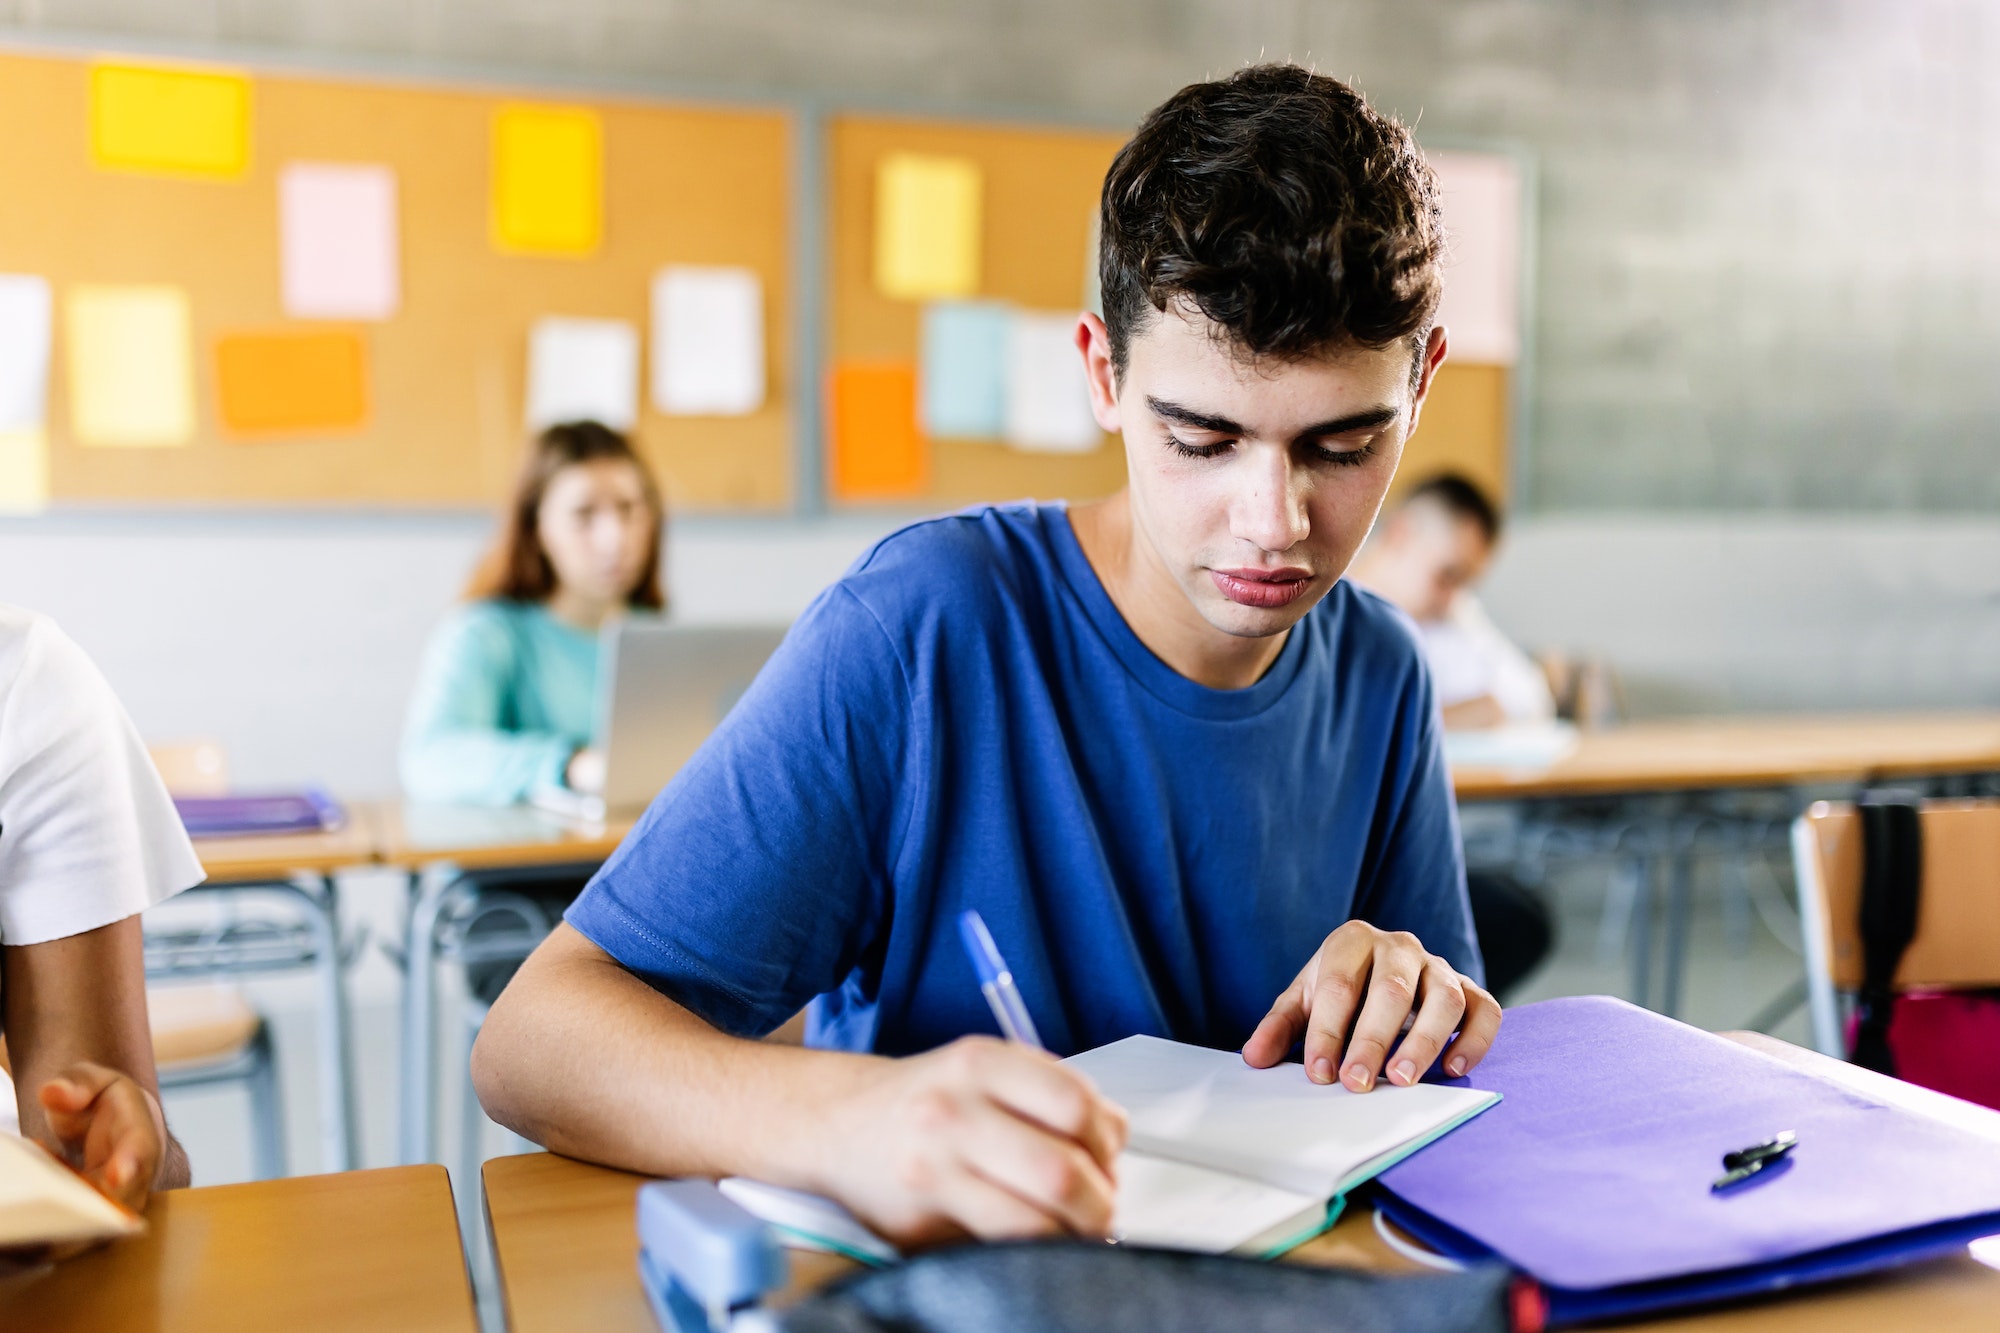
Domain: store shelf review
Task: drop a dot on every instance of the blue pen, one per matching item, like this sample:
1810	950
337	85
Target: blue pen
996	983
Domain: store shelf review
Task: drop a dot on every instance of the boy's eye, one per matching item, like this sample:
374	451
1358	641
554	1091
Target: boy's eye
1188	450
1345	457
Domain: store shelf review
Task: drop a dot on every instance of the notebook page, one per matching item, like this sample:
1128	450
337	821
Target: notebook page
1172	1205
42	1202
1275	1125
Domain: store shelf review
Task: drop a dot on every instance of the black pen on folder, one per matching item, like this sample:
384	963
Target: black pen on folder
1747	1162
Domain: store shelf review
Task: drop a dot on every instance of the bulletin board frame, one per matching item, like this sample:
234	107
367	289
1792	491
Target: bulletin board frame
806	301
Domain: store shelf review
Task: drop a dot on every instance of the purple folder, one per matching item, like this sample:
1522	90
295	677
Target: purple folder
309	811
1592	1174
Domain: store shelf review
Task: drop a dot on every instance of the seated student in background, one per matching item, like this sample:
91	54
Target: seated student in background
506	699
1191	779
88	840
1426	558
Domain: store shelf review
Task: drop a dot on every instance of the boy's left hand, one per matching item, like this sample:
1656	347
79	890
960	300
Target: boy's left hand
1372	981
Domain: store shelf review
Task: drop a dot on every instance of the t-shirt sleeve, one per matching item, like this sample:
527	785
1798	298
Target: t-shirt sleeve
456	742
88	834
760	876
1419	884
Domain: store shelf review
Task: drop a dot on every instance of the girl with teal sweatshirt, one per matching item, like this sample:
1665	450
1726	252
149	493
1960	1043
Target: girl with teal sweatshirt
505	701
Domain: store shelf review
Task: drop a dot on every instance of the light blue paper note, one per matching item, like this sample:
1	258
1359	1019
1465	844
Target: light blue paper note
963	380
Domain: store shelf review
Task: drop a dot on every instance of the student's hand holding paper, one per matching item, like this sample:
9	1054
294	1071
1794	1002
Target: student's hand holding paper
109	1128
1351	1000
982	1138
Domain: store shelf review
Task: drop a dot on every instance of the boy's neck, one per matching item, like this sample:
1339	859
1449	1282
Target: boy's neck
1155	606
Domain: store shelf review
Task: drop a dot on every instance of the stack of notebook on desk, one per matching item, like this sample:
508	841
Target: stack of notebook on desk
309	811
1598	1174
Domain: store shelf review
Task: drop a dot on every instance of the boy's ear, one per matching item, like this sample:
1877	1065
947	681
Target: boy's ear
1093	343
1435	348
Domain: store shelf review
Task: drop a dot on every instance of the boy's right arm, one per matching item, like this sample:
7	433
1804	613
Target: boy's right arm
979	1137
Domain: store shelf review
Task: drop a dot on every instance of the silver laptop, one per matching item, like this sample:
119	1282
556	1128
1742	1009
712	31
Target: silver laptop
661	689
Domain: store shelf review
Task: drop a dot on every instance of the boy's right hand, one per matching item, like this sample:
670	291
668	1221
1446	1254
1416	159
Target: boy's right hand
979	1138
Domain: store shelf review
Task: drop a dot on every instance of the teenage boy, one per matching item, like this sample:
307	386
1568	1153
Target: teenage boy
1192	781
1426	558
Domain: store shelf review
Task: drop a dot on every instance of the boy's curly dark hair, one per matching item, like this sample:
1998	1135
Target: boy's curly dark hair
1283	208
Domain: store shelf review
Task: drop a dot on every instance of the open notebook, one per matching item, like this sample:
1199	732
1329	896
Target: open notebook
43	1202
1223	1158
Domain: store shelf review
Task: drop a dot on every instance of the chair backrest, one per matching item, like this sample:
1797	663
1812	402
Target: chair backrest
1958	918
192	768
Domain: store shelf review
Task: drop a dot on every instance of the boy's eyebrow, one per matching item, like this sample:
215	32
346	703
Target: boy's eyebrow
1187	416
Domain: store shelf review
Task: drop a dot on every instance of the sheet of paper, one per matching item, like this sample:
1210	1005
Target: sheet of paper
131	366
708	341
548	180
24	471
1048	398
291	382
964	369
1481	310
1172	1205
583	370
179	122
1210	1109
43	1201
338	241
927	226
25	321
877	452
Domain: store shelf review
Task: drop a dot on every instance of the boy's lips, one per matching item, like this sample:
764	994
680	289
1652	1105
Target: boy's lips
1262	587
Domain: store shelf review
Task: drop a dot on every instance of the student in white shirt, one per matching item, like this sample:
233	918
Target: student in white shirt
88	840
1426	557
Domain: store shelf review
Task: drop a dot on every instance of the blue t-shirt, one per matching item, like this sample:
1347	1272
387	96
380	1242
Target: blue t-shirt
965	720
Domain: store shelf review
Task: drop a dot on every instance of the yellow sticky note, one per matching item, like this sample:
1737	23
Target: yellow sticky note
131	371
173	121
548	180
927	224
24	471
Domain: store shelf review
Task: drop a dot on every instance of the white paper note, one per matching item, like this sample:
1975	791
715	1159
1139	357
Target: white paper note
583	370
337	226
1048	399
24	352
708	341
130	352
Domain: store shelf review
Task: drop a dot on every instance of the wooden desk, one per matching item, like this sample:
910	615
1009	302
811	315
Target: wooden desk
444	849
300	868
363	1250
1699	754
416	836
565	1247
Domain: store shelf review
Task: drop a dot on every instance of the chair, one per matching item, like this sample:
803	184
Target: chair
1957	944
204	1036
209	1034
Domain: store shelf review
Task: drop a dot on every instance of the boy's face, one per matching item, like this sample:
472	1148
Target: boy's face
1429	556
1254	483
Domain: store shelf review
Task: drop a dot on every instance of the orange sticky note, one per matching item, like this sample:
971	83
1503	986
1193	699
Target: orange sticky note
877	451
288	383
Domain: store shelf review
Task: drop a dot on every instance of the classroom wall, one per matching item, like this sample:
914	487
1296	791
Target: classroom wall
1767	270
295	643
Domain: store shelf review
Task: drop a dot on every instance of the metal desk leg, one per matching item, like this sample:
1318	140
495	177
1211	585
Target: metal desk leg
1680	906
339	1147
1640	868
414	1130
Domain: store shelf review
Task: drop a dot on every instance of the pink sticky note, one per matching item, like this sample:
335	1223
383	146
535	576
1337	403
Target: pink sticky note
338	224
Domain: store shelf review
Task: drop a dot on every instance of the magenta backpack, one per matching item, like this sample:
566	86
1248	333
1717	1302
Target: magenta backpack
1945	1040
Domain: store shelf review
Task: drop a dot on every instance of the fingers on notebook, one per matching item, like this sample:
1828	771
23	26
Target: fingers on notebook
1064	1187
1340	988
1395	976
1475	1032
1035	1087
1441	1005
